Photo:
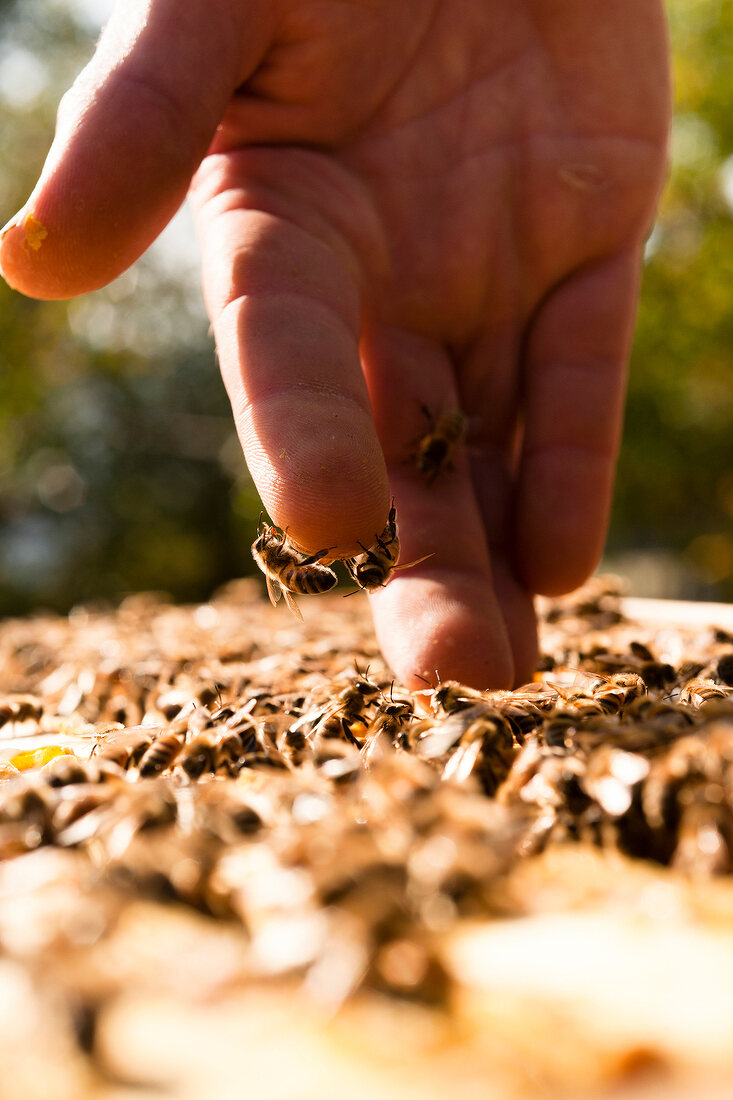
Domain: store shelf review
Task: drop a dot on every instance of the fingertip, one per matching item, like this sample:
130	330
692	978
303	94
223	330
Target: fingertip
21	239
325	479
36	260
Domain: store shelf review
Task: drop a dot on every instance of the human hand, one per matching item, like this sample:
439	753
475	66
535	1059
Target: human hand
400	203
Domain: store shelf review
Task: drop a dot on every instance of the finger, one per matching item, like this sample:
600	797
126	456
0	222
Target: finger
130	133
444	614
284	303
575	369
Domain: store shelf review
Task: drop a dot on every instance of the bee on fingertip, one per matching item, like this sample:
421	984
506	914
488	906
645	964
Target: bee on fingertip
287	571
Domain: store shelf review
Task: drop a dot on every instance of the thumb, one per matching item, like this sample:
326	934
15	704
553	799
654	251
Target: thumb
130	134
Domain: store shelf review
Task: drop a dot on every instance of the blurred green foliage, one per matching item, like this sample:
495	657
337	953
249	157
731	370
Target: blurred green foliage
675	478
119	467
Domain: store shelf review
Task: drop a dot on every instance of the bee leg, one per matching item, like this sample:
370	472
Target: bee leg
348	734
370	553
313	559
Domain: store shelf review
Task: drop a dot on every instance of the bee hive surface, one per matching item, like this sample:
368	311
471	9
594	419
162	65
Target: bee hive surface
260	862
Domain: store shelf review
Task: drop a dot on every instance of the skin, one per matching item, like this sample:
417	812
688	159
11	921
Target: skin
400	203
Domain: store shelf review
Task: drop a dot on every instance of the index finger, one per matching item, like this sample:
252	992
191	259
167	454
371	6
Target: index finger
282	291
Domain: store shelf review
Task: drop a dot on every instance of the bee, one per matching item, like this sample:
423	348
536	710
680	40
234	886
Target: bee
434	452
348	711
725	668
619	691
559	729
161	754
233	746
657	675
86	798
20	708
450	696
286	571
393	719
486	748
698	691
123	747
64	770
199	755
374	568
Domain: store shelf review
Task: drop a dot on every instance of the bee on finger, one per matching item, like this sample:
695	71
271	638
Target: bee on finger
434	452
374	567
286	571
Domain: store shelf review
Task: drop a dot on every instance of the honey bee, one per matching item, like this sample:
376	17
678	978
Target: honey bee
698	691
619	691
725	668
123	747
199	755
393	719
559	729
348	710
20	708
233	746
64	770
374	568
523	716
286	571
161	754
434	452
450	696
486	748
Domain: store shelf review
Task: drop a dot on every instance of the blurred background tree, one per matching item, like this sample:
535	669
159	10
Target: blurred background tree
119	466
672	524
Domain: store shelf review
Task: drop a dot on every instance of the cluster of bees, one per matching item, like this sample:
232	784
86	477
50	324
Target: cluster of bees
289	573
389	814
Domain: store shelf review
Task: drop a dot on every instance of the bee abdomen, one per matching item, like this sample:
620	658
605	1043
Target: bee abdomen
309	580
161	754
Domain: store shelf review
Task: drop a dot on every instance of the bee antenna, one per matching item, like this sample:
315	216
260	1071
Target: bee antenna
424	680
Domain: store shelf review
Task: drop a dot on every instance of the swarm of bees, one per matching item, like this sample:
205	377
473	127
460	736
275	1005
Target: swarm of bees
306	789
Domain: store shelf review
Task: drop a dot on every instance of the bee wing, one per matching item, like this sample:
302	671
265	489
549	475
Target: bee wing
462	762
409	564
274	589
292	604
350	564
